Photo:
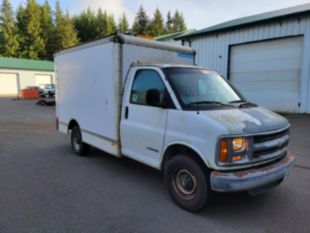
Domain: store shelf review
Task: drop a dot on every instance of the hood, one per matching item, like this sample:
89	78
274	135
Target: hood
247	120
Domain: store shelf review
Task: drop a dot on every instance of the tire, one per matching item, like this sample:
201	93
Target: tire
187	182
77	145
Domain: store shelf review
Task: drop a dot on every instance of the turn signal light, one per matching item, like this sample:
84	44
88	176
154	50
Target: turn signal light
223	150
236	158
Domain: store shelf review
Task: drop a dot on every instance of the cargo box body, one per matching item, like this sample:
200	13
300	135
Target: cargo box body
90	80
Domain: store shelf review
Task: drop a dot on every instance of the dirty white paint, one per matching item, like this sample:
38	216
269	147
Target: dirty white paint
213	50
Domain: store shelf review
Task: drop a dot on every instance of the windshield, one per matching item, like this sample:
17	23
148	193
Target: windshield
199	87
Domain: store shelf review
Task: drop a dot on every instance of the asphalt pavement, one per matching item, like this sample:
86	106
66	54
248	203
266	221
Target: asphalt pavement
44	187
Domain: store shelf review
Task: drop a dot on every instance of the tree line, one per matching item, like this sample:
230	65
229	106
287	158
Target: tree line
37	31
156	25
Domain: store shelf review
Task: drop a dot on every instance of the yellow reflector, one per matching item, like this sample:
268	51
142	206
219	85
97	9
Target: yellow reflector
223	150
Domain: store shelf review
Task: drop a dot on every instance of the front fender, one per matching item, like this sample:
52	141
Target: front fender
188	146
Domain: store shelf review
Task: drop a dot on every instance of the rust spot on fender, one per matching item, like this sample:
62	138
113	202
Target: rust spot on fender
286	160
216	173
241	174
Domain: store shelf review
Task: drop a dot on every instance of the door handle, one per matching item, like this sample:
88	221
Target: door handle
126	112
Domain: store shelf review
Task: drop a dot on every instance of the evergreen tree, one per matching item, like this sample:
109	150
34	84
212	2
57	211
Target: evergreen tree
111	25
123	25
65	34
20	16
178	22
86	24
48	30
141	22
169	23
157	24
9	38
37	33
33	42
21	28
92	26
101	23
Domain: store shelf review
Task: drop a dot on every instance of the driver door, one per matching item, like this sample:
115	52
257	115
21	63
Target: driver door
143	126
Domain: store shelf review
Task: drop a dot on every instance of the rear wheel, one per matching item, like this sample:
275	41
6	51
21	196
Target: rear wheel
77	145
187	182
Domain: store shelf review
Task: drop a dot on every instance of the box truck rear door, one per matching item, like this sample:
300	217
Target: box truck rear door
143	125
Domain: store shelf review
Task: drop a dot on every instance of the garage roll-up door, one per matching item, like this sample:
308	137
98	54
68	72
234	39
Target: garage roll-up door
8	84
268	73
42	79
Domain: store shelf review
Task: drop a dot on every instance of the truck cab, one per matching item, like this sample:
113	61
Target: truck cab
175	115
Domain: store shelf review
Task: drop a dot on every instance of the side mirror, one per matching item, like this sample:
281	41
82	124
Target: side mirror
153	98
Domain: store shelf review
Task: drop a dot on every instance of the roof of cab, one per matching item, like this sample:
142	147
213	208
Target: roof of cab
160	65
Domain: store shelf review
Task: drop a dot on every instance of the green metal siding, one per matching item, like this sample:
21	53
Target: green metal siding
26	64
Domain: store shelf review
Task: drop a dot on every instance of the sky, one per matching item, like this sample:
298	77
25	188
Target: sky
198	14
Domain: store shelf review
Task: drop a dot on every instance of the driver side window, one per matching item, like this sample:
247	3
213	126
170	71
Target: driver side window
145	80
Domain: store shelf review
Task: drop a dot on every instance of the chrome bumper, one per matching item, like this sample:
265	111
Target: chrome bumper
252	178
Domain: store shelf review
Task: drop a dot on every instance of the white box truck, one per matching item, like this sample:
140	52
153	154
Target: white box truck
148	101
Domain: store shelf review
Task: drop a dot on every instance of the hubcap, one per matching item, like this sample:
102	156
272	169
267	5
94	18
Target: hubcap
185	183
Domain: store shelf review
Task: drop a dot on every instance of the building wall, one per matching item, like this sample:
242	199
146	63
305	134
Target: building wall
213	50
26	77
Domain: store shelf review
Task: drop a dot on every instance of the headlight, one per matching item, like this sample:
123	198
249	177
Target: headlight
239	144
232	150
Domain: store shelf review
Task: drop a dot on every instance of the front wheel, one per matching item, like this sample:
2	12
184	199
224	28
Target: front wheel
77	145
187	183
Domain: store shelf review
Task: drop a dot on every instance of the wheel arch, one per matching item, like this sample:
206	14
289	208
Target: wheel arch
72	123
173	149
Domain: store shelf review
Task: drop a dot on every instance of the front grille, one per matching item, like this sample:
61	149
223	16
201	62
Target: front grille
270	145
268	137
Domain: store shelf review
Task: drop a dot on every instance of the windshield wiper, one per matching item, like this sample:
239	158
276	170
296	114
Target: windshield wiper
237	101
243	103
209	102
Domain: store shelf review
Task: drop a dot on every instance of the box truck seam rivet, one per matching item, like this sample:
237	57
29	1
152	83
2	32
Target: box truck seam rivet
138	98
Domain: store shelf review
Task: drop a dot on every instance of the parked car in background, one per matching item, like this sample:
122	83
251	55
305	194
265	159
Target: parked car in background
47	90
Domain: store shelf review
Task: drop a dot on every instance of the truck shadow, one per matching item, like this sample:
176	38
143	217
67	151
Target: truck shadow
124	162
220	205
226	204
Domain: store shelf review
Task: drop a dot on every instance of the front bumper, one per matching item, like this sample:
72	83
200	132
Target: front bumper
252	178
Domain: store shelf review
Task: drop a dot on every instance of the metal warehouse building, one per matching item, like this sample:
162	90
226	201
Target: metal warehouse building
266	56
17	74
